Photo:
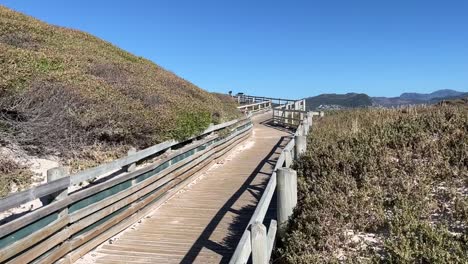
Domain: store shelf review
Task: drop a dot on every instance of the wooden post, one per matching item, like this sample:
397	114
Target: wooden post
131	167
293	179
259	244
271	236
306	127
287	198
300	145
55	174
309	118
288	158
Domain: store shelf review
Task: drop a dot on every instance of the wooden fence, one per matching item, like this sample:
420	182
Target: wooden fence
250	99
74	220
257	242
255	107
290	114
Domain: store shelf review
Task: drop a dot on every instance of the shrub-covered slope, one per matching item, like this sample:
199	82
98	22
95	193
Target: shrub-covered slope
67	93
63	87
383	186
349	100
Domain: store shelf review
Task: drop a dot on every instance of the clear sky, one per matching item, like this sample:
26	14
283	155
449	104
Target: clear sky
283	48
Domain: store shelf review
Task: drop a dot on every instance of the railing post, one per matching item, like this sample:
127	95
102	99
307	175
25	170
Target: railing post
300	145
259	244
271	234
287	196
288	158
55	174
131	167
309	118
306	126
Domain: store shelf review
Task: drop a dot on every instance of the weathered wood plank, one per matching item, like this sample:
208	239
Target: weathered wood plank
271	237
242	253
31	240
259	243
16	199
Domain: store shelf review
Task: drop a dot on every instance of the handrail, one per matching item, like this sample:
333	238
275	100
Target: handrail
256	107
255	104
251	243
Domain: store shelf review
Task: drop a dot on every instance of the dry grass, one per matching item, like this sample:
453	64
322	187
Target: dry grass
63	92
12	174
383	186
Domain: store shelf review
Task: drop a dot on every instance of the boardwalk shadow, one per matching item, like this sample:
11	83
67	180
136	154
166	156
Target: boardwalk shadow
242	215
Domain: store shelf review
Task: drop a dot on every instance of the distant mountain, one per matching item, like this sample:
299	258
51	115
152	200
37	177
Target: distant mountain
436	94
353	100
418	98
328	101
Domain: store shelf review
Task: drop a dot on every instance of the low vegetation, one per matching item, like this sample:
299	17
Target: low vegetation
13	175
69	94
383	186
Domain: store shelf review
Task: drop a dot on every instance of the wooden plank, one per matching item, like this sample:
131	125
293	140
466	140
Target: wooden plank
31	240
250	105
244	248
284	196
55	254
291	111
264	203
29	218
19	198
259	243
271	236
41	247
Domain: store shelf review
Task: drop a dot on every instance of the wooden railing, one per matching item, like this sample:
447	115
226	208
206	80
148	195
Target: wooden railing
255	107
257	242
290	114
250	99
74	220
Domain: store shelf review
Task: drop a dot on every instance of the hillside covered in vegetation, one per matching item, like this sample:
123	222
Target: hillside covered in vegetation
383	186
67	93
349	100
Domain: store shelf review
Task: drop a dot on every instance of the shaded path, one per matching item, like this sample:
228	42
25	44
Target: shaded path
204	222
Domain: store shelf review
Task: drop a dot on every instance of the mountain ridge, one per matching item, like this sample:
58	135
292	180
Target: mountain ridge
354	100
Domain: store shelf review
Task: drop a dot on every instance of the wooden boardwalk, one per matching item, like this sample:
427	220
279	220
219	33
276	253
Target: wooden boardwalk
204	222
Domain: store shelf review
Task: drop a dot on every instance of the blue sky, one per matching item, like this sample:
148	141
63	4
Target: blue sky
290	48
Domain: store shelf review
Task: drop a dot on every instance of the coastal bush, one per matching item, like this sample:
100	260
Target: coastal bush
382	186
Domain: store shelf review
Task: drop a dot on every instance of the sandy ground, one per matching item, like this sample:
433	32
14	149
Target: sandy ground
38	166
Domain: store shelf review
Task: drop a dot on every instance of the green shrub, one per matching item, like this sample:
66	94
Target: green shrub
396	176
190	124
